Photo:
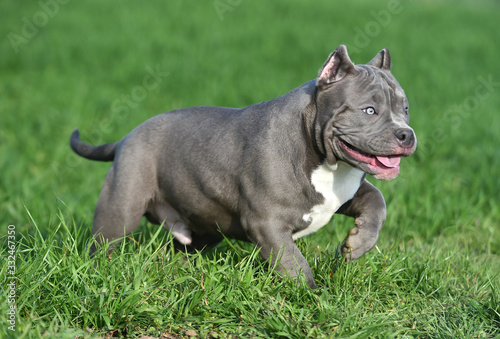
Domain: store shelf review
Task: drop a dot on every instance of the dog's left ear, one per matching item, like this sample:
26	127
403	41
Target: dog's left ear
382	60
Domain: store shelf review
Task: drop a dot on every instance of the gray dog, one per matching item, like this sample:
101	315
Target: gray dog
268	173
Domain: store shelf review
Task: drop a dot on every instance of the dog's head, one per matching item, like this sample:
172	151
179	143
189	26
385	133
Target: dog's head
362	115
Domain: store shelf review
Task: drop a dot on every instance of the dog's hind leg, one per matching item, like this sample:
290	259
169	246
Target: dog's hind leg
120	207
161	212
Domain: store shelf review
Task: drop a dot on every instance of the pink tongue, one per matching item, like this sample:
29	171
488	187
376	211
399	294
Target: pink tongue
389	161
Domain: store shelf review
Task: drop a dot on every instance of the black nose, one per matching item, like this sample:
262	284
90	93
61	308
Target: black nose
406	137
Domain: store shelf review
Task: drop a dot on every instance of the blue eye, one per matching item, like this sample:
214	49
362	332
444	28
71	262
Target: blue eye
369	110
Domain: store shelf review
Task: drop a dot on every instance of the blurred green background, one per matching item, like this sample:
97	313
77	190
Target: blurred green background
105	67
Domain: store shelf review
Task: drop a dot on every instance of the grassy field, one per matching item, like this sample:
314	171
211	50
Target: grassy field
65	64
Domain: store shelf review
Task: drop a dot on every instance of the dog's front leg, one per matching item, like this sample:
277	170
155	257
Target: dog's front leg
368	209
280	249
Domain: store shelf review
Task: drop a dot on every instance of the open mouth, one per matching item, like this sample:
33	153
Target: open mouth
384	166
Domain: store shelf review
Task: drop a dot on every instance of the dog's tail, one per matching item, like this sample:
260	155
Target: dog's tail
104	152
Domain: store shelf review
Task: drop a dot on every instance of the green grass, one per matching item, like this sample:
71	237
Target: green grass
436	270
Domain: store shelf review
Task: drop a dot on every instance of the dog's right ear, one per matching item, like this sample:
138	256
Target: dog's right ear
336	67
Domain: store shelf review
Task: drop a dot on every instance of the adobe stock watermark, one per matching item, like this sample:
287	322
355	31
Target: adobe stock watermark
120	110
223	6
32	25
381	19
120	107
454	116
11	277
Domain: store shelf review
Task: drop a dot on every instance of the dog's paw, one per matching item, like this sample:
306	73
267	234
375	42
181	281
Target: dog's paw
359	240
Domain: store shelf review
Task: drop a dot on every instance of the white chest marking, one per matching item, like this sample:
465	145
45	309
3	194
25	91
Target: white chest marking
337	185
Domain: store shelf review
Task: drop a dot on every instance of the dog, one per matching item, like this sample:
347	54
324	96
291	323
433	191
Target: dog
268	173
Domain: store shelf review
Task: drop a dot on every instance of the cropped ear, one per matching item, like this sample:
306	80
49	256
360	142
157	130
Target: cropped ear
382	60
336	67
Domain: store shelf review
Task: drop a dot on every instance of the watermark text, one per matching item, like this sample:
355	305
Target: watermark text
11	277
